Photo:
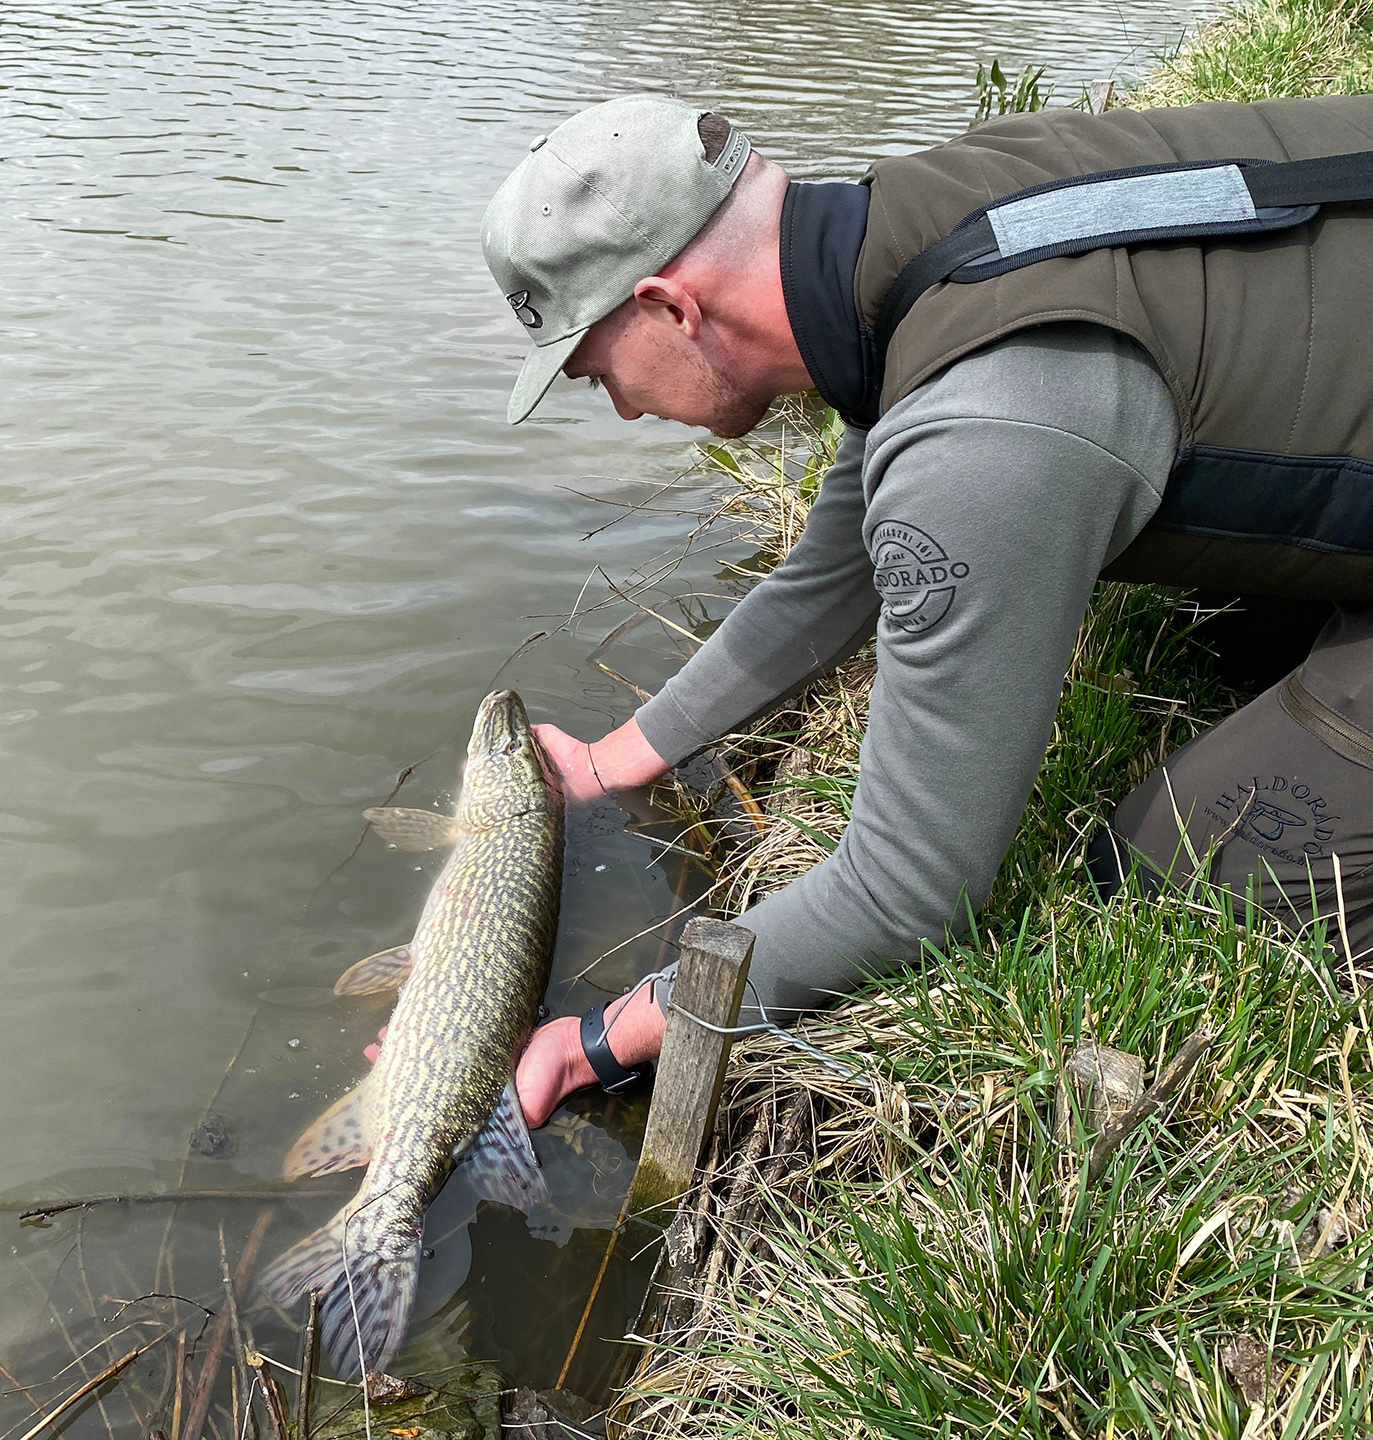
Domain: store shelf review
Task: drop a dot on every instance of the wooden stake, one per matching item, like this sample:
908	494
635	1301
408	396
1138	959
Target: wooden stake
1100	93
308	1360
691	1070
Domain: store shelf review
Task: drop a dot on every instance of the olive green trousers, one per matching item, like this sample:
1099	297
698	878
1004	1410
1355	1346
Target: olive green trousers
1274	803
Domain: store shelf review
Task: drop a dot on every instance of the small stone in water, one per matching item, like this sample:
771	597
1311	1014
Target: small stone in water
599	868
213	1137
294	1043
389	1389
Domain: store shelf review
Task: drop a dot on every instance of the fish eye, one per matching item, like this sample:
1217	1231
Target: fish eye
512	748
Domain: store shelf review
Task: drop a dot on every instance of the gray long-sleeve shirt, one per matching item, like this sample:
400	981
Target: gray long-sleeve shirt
968	526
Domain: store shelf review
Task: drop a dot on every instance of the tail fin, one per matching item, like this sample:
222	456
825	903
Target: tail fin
371	1314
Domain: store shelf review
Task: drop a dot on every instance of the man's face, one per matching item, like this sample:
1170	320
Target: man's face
648	366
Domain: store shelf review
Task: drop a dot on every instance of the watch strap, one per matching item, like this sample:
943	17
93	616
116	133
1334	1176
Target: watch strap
613	1076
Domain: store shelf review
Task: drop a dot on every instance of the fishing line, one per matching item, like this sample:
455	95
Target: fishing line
357	1330
353	1305
248	1408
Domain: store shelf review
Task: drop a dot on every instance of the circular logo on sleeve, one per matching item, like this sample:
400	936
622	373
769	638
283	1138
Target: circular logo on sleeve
913	575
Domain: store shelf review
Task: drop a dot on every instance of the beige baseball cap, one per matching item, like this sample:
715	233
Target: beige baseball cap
605	200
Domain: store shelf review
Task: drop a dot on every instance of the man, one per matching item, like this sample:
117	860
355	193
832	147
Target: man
1147	365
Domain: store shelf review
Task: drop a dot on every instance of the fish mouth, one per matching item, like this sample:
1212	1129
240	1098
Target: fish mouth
501	725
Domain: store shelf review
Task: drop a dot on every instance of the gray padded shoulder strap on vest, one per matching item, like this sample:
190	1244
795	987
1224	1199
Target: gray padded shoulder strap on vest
1149	204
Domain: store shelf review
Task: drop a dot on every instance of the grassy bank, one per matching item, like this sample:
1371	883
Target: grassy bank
1273	47
916	1248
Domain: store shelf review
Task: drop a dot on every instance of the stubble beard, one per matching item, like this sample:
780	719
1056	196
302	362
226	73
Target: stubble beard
733	413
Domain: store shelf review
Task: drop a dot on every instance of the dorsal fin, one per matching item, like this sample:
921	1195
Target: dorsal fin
499	1160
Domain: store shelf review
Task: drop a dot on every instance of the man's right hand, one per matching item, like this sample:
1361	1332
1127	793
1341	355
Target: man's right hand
622	760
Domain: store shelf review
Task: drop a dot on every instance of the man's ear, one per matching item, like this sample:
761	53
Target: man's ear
669	302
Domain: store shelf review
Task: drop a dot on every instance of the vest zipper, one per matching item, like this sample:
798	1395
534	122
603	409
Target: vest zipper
1341	735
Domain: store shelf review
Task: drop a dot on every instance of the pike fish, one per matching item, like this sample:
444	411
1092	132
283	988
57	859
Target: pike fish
442	1091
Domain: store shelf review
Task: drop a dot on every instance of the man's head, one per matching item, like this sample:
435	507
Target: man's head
641	239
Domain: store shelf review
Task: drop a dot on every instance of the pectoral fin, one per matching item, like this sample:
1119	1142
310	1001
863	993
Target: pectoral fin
412	830
500	1160
386	970
338	1140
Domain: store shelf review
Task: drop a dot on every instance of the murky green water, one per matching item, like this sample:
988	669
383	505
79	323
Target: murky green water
267	540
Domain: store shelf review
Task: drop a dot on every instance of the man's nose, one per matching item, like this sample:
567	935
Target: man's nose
622	406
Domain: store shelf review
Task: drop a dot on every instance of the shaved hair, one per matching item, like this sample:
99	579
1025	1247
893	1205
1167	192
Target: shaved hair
745	218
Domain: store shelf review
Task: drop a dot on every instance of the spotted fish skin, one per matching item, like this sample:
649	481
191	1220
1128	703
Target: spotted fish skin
441	1089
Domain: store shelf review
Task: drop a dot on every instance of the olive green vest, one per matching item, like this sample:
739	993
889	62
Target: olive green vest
1266	342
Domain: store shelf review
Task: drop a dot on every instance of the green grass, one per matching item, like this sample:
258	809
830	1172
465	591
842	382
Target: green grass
1274	47
975	1285
929	1260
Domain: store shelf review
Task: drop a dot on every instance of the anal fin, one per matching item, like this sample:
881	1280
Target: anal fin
413	830
386	970
500	1161
337	1141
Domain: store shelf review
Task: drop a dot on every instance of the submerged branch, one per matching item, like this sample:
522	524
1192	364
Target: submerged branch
43	1209
199	1407
112	1370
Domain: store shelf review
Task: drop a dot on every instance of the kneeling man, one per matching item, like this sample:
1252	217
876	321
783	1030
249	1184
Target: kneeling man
1136	345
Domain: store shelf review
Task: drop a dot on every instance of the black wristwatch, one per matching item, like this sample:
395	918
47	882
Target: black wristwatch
613	1076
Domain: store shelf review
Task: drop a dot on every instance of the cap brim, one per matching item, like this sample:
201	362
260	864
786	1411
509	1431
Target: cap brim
542	366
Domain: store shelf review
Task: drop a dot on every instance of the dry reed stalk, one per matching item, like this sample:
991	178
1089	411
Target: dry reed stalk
80	1393
20	1390
178	1384
199	1407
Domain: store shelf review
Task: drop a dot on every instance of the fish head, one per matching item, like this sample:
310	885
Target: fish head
507	773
